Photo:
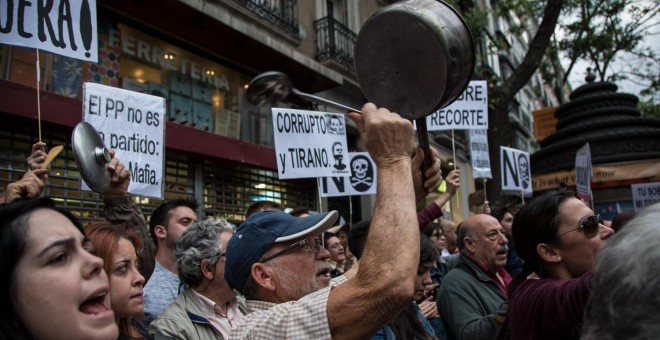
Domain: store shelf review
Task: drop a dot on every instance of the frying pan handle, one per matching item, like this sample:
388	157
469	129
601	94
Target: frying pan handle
423	139
320	100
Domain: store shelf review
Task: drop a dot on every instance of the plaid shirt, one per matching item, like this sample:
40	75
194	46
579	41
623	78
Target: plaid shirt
306	318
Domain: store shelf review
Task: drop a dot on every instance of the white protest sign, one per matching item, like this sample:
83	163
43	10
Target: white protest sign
583	172
645	195
479	154
310	144
516	172
133	124
469	111
361	182
63	27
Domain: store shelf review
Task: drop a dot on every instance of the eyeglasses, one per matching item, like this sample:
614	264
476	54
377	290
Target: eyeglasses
589	225
218	257
310	247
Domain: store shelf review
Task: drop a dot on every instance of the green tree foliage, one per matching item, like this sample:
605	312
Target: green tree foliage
597	31
649	108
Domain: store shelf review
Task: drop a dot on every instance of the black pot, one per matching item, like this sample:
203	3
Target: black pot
414	57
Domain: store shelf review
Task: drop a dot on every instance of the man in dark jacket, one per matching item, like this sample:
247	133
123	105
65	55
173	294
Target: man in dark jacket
473	294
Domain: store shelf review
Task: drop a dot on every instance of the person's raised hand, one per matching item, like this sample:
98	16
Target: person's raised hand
37	158
433	174
30	185
387	136
453	180
120	177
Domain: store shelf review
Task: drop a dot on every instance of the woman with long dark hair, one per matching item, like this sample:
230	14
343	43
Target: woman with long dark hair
52	286
558	237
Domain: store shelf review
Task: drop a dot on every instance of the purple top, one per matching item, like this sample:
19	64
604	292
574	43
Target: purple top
428	214
548	309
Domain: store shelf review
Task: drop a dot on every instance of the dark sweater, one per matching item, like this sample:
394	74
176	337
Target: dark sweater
548	309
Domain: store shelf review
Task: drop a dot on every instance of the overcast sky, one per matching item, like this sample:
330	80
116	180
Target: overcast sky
579	71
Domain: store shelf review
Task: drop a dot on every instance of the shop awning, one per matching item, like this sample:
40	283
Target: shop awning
649	169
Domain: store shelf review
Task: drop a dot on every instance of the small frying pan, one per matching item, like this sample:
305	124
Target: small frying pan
415	57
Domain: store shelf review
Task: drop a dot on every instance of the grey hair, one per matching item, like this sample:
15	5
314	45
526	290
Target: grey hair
198	243
625	300
464	230
250	287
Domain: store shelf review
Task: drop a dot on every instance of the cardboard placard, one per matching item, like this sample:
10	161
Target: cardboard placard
310	144
62	27
134	125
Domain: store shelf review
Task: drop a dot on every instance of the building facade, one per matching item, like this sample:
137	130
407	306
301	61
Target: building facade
503	50
200	55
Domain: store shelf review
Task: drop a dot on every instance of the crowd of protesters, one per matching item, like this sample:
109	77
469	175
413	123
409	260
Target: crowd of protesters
303	275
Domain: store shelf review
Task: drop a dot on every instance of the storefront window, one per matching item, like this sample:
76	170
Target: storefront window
230	188
199	93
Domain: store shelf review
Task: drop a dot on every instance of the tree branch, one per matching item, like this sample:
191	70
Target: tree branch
588	13
536	50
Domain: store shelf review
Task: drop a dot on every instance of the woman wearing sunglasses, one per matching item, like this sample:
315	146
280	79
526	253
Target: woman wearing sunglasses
558	237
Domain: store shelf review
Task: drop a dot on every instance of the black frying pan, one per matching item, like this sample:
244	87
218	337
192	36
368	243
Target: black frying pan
413	57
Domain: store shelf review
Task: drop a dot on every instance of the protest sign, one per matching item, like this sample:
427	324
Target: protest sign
469	111
310	144
479	154
645	195
133	124
63	27
361	182
545	122
516	171
583	173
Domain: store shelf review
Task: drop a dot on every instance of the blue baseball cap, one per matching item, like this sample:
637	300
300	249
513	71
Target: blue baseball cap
260	231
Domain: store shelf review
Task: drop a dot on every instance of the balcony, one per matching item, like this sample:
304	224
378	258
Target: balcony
281	13
334	41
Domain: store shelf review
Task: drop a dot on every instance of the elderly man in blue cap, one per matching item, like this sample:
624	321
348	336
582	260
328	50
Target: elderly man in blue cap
278	263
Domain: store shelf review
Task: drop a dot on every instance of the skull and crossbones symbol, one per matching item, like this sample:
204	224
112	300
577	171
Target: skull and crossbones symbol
360	167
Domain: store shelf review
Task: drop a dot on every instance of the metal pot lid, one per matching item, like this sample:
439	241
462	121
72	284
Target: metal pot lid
91	156
414	57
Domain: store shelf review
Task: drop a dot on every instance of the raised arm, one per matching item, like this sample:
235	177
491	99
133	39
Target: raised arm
37	158
384	283
30	185
33	182
433	210
120	208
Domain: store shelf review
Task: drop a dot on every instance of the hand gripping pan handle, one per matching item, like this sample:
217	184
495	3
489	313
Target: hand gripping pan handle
415	57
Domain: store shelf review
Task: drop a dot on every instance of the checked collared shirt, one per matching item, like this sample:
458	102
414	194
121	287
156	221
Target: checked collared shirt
306	318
